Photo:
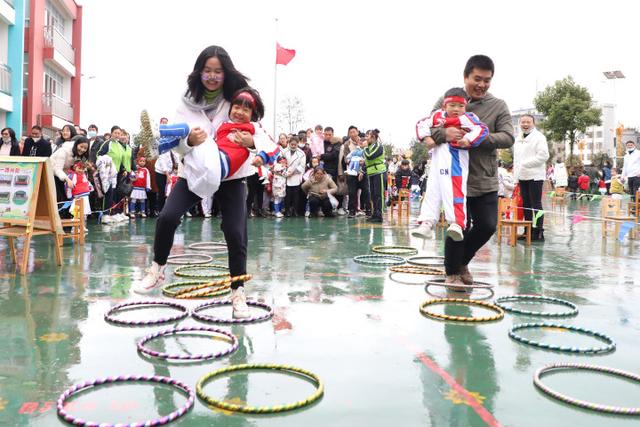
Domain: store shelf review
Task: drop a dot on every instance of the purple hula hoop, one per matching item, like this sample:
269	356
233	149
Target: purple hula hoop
109	314
213	319
62	413
203	356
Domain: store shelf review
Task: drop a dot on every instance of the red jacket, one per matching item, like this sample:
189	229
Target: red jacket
583	182
82	186
141	181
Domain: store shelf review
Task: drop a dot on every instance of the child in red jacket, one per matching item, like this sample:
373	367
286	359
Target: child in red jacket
141	184
583	183
81	188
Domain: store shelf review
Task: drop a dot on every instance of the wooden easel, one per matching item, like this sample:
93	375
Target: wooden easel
30	181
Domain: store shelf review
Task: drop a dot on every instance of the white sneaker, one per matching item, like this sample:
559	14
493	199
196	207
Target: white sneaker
341	212
279	215
189	214
423	231
455	232
307	214
239	303
122	217
361	213
154	277
107	219
207	215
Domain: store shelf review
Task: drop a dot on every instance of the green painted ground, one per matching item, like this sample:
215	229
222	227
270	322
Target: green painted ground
382	362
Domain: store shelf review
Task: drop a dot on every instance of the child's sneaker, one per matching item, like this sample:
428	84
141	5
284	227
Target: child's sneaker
279	215
143	215
239	303
424	230
455	232
132	216
307	214
153	279
207	215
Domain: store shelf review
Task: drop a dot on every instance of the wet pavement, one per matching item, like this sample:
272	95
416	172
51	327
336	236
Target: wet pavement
381	361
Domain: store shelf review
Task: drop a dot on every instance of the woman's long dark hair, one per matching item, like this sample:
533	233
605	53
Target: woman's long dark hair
12	135
233	79
80	139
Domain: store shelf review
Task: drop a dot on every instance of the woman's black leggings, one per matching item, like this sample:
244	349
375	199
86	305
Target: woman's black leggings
232	196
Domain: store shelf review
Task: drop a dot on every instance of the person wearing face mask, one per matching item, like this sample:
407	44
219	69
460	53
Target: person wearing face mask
631	169
10	146
95	141
36	145
530	155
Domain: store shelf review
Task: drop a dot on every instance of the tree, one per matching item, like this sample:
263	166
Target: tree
388	150
506	156
419	152
290	115
569	110
599	159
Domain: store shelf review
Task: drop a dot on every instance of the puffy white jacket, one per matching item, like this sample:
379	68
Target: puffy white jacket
296	162
62	160
202	162
530	155
560	176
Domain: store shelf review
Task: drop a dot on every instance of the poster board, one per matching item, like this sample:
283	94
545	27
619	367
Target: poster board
28	202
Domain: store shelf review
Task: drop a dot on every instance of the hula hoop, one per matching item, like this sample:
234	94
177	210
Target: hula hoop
500	303
411	269
177	259
214	319
442	283
203	356
402	282
261	409
216	284
108	316
609	409
168	291
62	413
394	250
415	260
184	271
464	294
566	349
385	260
208	246
498	310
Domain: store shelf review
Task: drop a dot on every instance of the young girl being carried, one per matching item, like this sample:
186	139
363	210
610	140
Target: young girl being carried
204	172
141	184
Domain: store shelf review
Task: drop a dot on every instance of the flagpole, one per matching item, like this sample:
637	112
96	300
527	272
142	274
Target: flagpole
275	84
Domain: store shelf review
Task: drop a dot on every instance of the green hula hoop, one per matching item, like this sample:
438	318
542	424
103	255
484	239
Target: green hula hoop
513	298
610	346
260	409
184	271
172	290
385	260
395	250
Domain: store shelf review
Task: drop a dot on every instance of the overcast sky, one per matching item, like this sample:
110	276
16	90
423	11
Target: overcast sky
374	64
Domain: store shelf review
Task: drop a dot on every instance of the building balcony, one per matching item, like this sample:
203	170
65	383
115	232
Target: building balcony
56	112
5	79
6	98
58	50
7	12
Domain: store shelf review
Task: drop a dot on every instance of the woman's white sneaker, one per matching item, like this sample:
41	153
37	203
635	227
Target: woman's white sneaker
153	279
239	303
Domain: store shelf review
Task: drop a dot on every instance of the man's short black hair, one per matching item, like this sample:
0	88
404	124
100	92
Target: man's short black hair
352	127
481	62
36	127
405	162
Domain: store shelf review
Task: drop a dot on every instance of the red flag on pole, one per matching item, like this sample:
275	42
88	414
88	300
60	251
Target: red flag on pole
284	56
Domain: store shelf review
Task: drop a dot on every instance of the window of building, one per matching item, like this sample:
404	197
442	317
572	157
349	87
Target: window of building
53	82
53	18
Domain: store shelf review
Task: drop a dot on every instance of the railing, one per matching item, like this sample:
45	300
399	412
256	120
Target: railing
9	2
53	38
5	79
52	104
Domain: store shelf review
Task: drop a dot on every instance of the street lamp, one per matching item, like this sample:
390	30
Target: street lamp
619	149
